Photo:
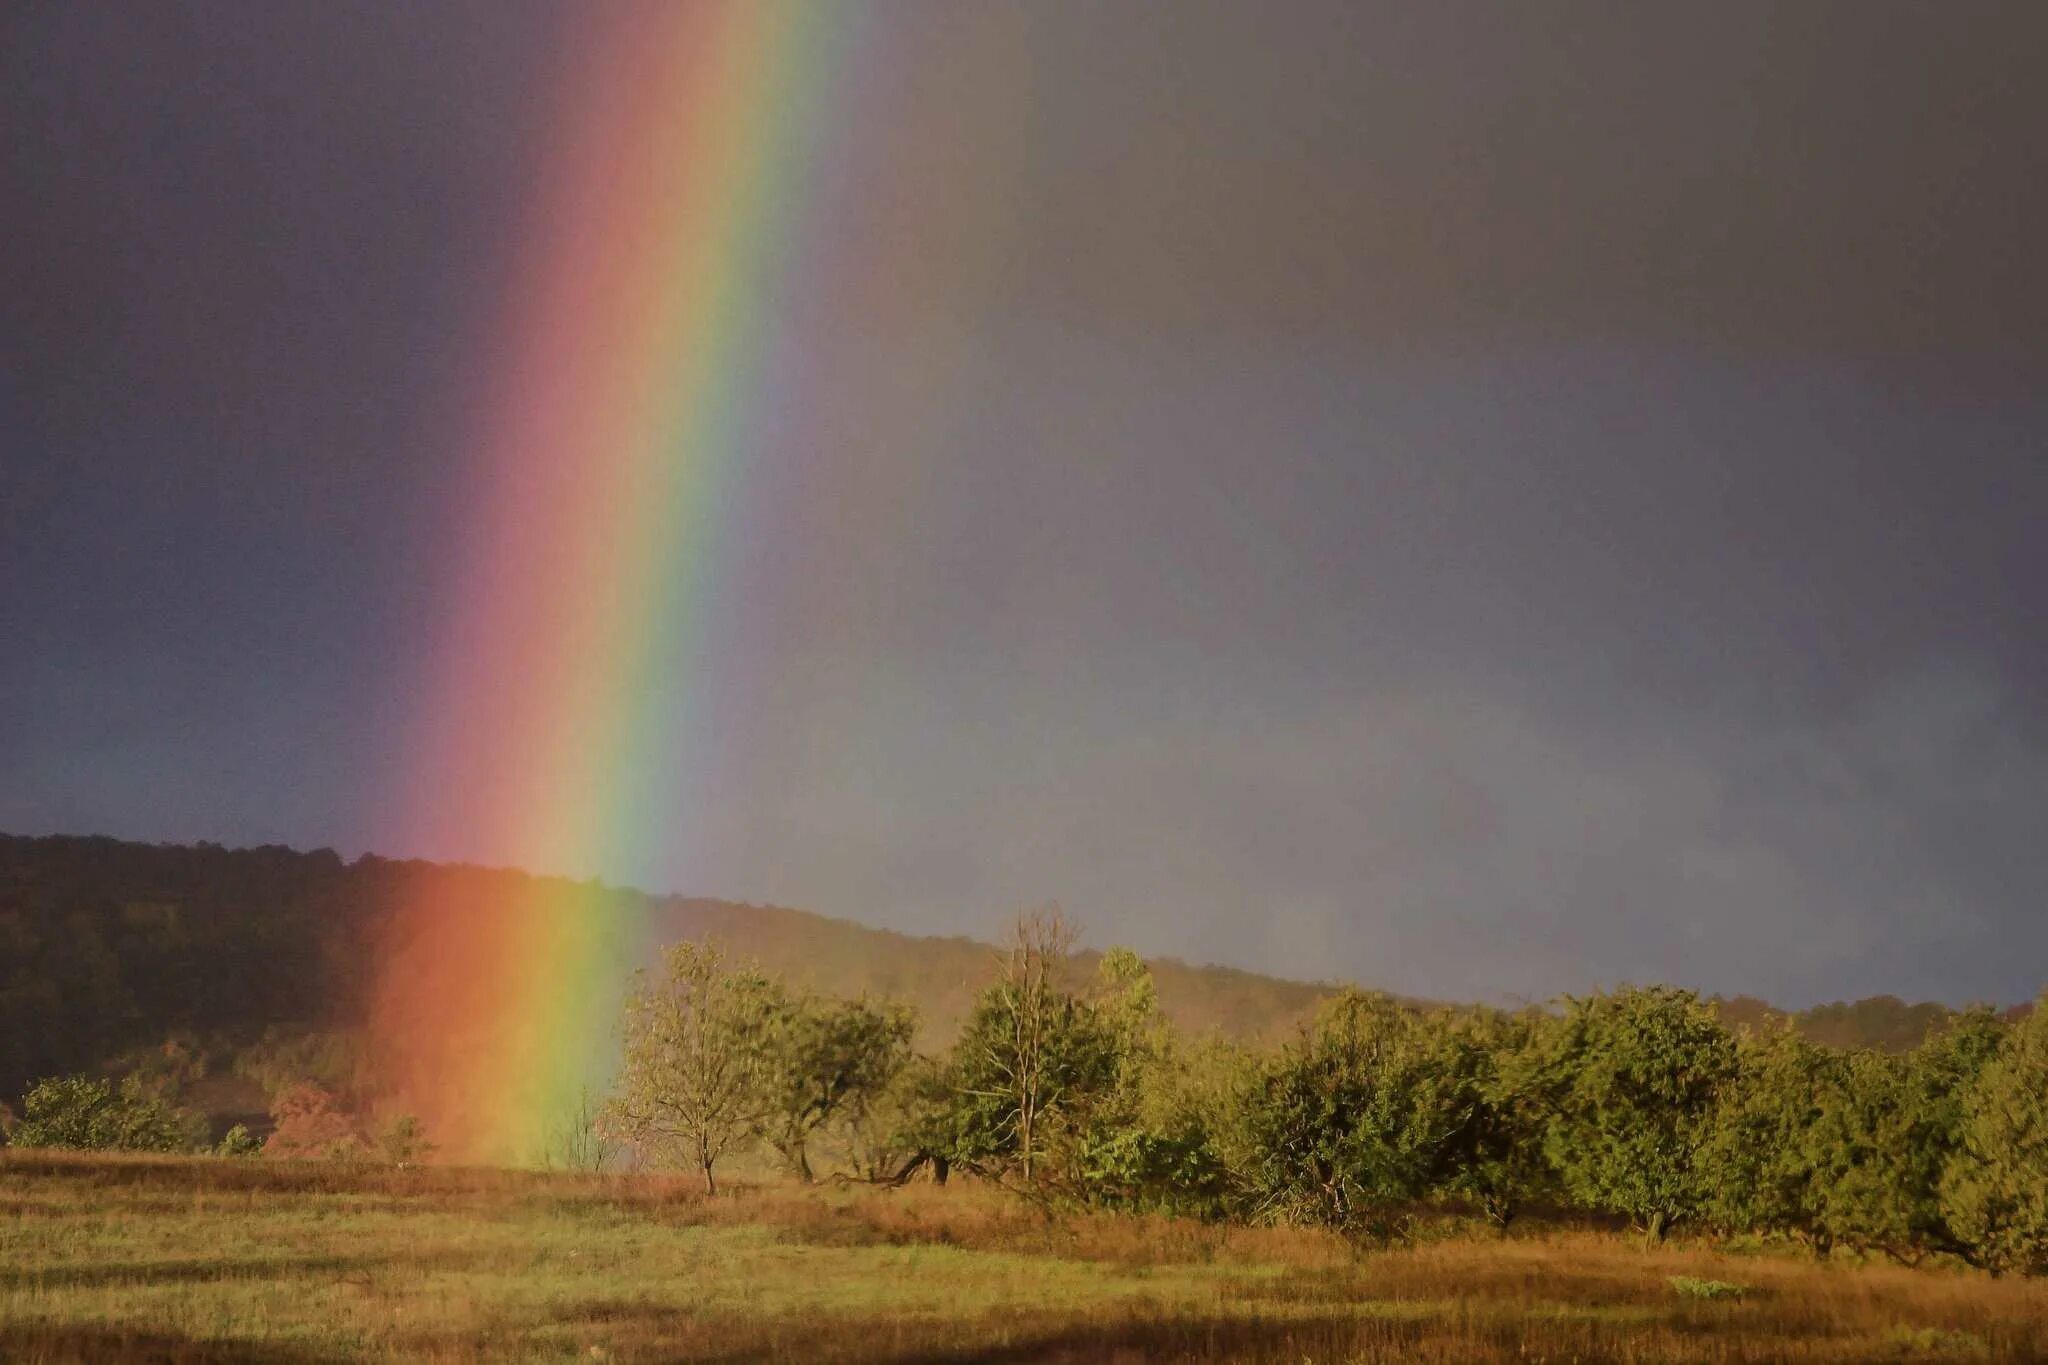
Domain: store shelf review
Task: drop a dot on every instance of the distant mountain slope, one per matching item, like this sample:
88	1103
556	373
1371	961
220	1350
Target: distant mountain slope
107	946
943	975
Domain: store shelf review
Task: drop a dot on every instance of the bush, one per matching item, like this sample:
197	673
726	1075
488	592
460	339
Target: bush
90	1115
1994	1192
312	1123
1692	1288
238	1141
402	1141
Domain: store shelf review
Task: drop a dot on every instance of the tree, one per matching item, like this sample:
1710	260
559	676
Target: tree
891	1133
1496	1155
402	1141
576	1140
1030	1056
1358	1116
1140	1143
1859	1143
238	1142
1994	1193
1764	1168
311	1122
85	1114
825	1056
697	1059
1902	1121
1631	1080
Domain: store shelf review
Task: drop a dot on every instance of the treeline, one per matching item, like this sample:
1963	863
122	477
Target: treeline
107	947
110	950
1640	1105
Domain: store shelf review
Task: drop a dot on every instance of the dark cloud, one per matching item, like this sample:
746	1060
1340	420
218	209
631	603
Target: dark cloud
1857	178
1486	499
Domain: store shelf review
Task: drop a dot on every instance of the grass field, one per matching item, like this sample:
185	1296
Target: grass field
252	1261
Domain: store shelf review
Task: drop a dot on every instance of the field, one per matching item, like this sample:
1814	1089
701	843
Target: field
189	1260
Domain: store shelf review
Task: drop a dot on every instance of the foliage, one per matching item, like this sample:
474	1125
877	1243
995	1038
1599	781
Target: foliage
1692	1287
1496	1156
88	1114
1632	1078
402	1141
887	1132
824	1057
1896	1127
311	1123
577	1140
238	1141
1363	1113
286	1057
1064	1078
1030	1058
698	1059
1761	1169
1994	1194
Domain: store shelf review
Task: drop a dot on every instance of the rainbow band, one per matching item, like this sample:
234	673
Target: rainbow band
635	337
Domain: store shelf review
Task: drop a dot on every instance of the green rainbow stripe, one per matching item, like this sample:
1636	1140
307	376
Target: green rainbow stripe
660	261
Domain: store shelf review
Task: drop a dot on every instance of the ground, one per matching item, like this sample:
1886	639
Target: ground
256	1261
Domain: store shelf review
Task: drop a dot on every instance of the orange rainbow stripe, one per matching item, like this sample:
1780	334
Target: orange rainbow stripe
659	264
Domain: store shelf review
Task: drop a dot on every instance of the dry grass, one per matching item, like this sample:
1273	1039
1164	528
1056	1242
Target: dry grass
190	1260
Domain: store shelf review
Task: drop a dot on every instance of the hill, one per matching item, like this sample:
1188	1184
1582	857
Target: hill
108	947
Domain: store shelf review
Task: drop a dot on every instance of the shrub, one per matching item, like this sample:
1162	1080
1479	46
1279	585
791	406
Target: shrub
403	1142
1994	1193
312	1123
238	1141
1691	1287
85	1114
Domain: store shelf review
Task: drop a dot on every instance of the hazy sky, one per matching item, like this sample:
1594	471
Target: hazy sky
1480	499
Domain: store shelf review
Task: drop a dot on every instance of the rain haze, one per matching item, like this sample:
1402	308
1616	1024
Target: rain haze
1480	500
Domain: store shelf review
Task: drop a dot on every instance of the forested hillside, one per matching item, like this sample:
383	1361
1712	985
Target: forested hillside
110	947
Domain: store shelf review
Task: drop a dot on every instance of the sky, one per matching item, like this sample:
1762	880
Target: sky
1482	500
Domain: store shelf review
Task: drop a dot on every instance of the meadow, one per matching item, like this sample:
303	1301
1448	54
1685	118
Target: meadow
288	1262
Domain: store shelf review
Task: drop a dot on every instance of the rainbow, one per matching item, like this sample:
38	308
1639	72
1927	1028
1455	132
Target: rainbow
662	262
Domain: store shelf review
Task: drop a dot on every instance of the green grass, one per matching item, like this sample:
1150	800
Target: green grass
1692	1287
287	1263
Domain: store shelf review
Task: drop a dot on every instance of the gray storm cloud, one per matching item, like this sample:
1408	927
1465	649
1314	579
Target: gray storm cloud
1480	499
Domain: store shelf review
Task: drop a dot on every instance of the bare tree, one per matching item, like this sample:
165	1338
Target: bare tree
1035	966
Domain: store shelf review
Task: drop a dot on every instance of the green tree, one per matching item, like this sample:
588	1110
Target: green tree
1632	1078
1357	1117
825	1057
1140	1144
92	1115
1495	1156
1994	1192
1766	1154
697	1061
1030	1054
238	1142
1896	1128
890	1133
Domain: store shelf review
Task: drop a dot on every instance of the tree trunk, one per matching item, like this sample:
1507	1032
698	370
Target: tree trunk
803	1165
1654	1230
940	1168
